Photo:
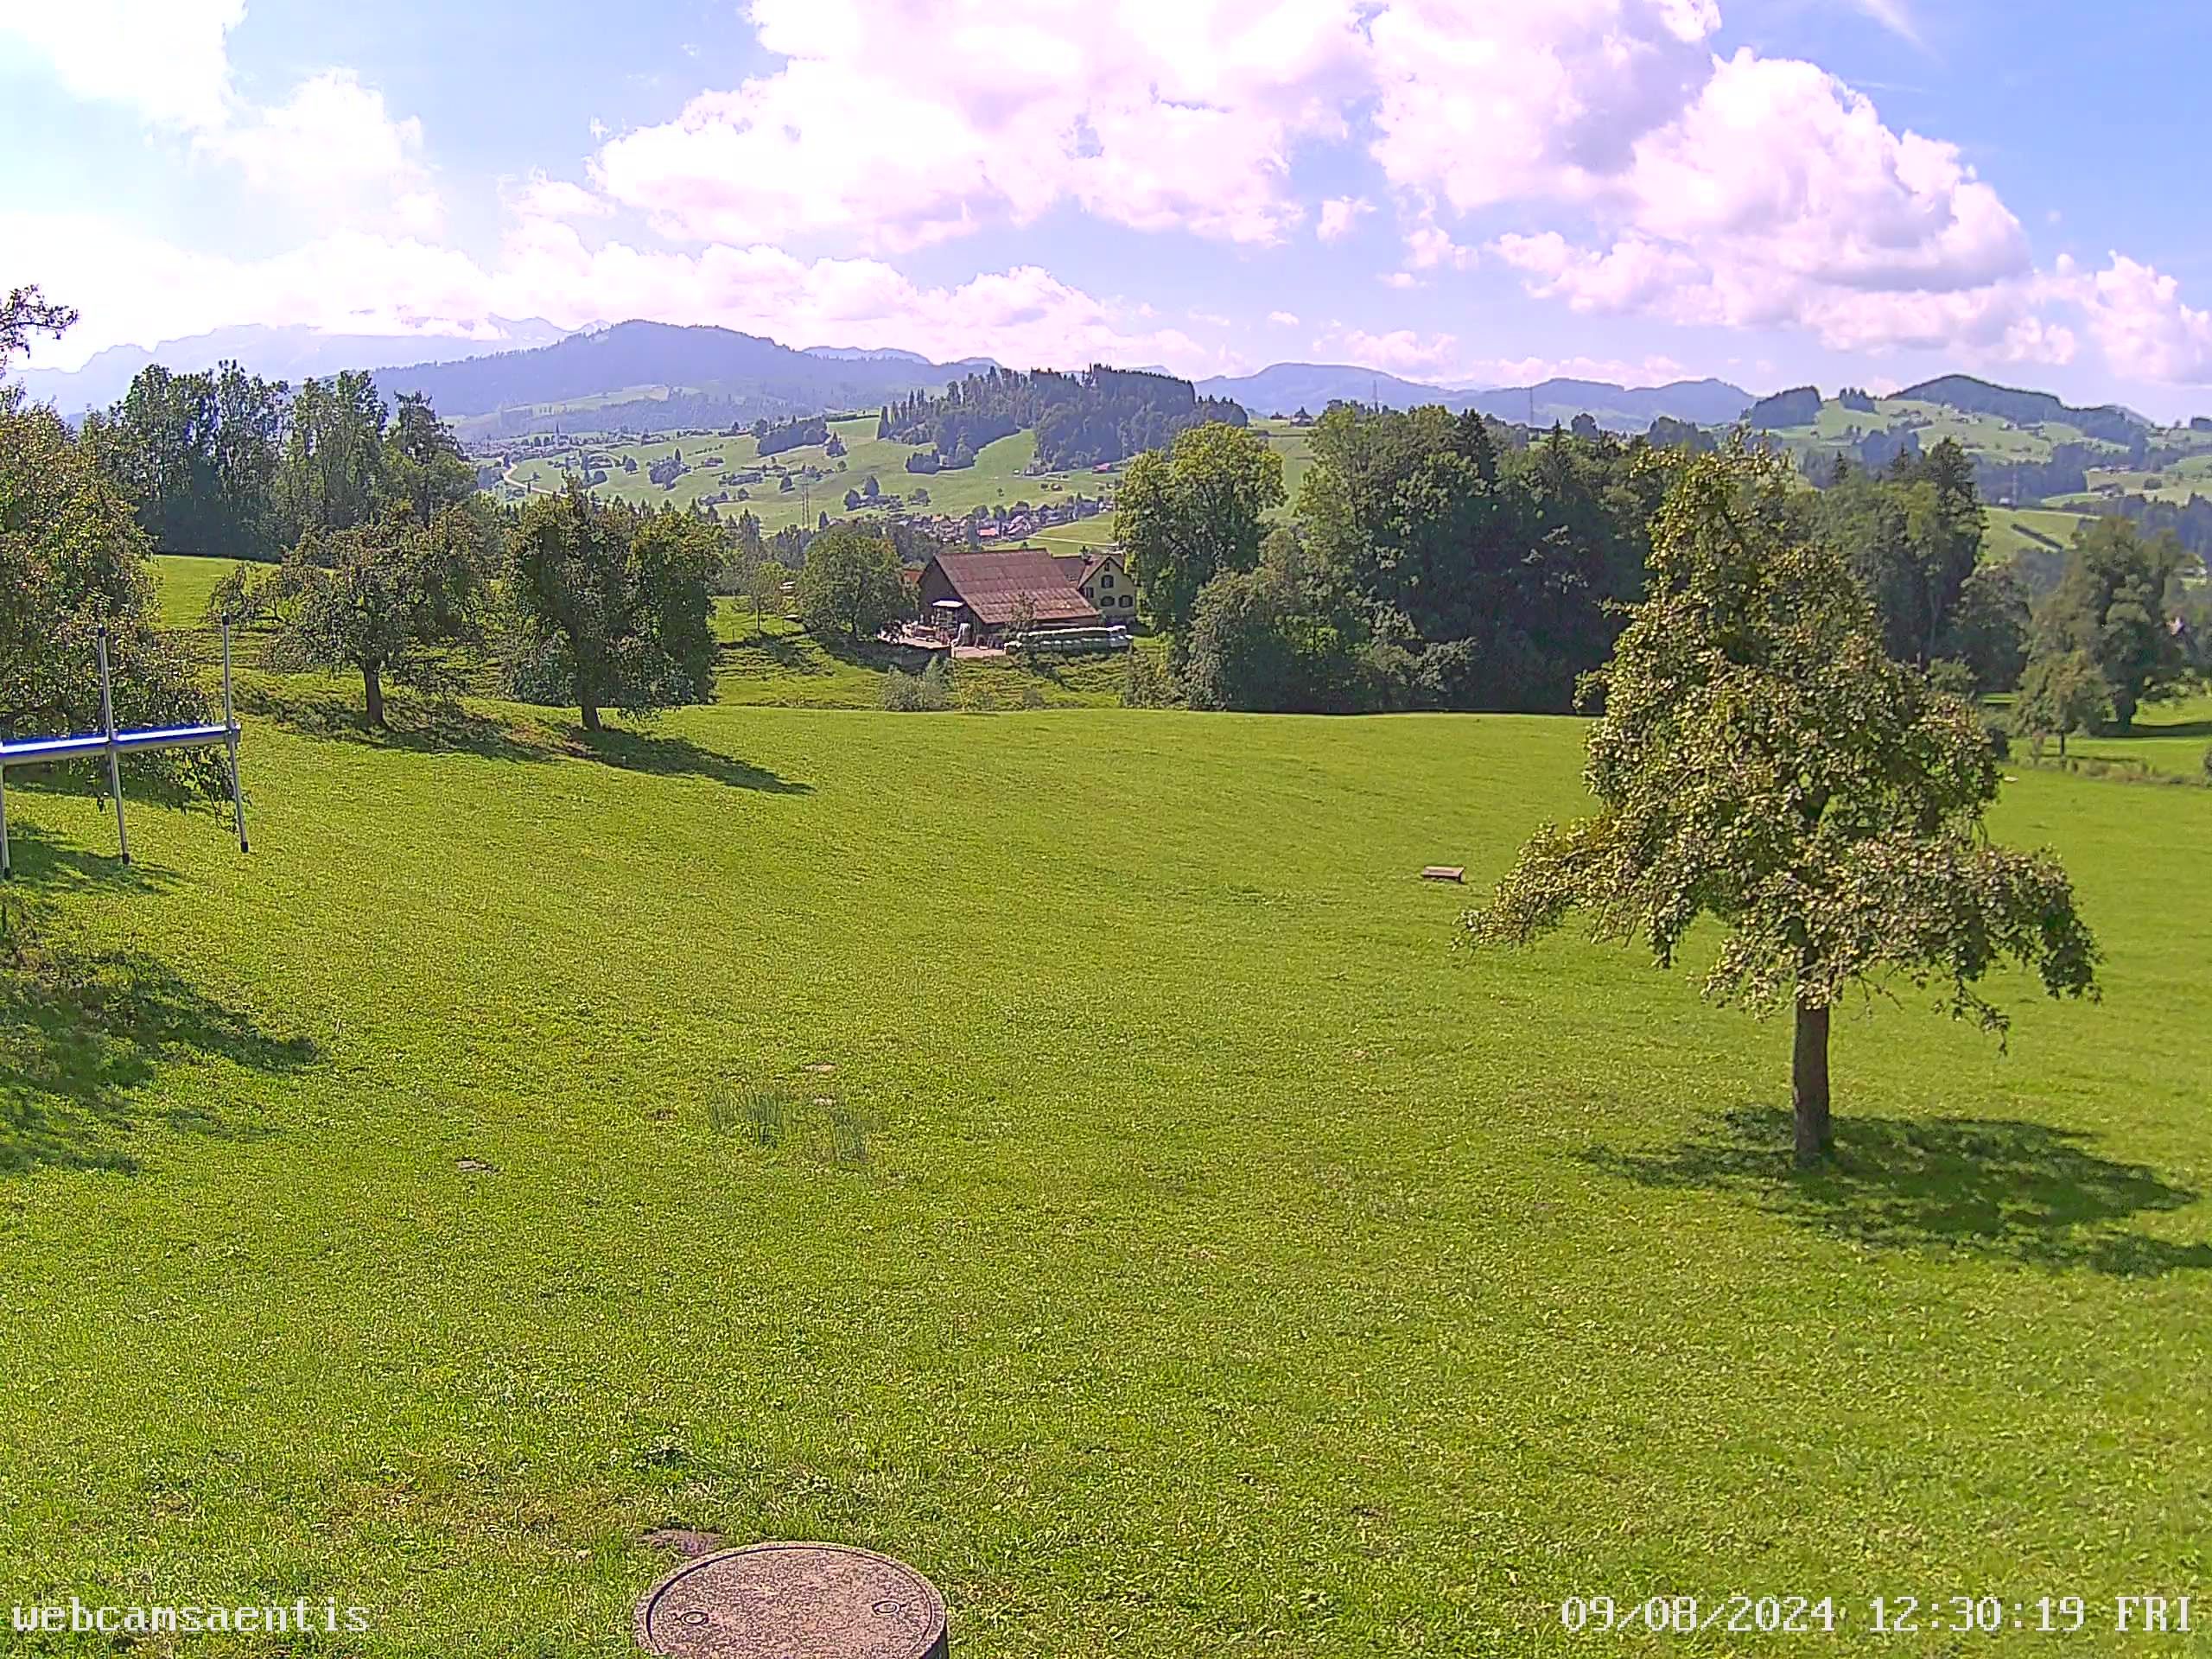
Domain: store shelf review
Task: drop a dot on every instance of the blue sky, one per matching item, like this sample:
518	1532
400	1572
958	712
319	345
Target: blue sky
1463	191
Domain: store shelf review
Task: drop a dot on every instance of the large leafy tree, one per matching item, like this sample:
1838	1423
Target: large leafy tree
612	605
2111	604
1281	638
1762	760
389	600
200	454
1491	569
850	585
1188	513
424	472
73	561
2061	693
1913	536
335	467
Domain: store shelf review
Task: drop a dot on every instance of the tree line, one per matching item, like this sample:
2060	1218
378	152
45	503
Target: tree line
1434	560
1081	420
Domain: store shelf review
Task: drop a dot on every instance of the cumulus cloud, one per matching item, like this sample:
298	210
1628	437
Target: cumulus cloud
2141	322
335	150
165	58
1339	214
332	151
362	282
1429	248
1283	319
893	124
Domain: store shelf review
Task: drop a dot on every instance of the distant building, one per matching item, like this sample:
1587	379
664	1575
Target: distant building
1103	580
986	591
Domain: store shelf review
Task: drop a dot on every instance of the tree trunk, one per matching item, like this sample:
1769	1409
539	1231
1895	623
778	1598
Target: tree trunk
1808	1085
2061	746
373	684
591	716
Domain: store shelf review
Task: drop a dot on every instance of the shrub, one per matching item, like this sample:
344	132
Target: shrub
1149	685
2208	765
926	693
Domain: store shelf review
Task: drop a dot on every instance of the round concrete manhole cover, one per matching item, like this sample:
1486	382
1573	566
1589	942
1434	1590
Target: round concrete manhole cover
794	1601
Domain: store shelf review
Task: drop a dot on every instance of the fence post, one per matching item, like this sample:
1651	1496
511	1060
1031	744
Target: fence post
231	739
114	755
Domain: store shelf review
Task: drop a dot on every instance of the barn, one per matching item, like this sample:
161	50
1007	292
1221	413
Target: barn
985	592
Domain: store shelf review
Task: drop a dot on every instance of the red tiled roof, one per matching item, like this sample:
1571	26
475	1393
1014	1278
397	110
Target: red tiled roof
990	584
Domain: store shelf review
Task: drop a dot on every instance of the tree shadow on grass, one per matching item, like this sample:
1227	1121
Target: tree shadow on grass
41	863
441	728
81	1034
679	757
2008	1190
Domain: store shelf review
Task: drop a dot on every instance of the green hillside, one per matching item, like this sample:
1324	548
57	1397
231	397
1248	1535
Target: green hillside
1063	1149
999	476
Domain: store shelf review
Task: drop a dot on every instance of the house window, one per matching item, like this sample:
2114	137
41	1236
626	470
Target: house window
1127	604
1107	581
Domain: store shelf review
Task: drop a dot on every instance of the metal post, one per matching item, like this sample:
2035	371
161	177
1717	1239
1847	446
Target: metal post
114	755
6	869
230	738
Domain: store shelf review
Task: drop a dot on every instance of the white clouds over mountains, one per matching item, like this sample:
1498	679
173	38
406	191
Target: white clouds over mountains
1605	155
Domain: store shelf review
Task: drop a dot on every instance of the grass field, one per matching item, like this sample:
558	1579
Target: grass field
2022	530
2169	737
776	663
1065	1150
999	476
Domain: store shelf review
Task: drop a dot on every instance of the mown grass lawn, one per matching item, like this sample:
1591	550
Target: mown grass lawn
1065	1150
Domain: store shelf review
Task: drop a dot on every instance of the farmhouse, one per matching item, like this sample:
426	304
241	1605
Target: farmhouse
1104	581
985	592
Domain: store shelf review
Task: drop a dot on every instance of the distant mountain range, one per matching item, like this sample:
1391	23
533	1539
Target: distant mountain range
655	375
293	353
510	377
1288	387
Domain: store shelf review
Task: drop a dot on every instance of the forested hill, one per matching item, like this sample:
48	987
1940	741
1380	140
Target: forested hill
1081	420
1972	397
745	370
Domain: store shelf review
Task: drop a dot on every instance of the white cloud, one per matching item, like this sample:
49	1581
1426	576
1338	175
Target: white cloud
358	282
1400	279
2141	322
165	58
539	197
1538	102
1428	247
1283	319
1339	214
335	151
893	124
332	150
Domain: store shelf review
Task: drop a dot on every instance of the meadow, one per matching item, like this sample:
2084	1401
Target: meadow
1063	1149
1000	477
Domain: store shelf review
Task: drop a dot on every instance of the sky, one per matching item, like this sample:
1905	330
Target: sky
1466	192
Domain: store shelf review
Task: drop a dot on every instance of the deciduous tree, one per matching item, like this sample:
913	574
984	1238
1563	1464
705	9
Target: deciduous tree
2111	603
612	605
1762	760
1191	511
2061	693
850	585
389	600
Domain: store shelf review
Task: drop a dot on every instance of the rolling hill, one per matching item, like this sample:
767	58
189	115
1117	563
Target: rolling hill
752	375
1285	388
